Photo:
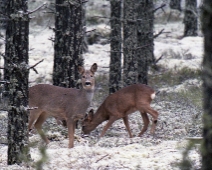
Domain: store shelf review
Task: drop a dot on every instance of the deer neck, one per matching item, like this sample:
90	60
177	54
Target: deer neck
87	94
98	118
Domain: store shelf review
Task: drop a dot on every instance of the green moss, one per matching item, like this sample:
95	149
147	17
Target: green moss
194	95
173	77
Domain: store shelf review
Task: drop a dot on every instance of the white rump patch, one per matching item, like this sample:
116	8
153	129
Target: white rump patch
152	96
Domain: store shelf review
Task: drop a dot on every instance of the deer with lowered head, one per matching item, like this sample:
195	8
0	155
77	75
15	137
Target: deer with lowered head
136	97
67	104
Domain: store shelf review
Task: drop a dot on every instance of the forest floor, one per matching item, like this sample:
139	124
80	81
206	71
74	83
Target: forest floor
179	104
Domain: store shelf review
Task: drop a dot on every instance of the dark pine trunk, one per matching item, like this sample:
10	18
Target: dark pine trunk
2	16
62	54
207	85
76	42
145	39
175	4
115	46
84	40
68	43
130	43
16	74
190	18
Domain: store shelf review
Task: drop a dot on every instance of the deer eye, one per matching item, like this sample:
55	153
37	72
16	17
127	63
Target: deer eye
83	76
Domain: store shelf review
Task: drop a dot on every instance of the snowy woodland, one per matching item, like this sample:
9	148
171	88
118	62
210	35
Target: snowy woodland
179	103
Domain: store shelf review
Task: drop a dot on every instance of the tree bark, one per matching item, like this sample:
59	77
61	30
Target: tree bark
84	40
190	18
207	85
62	54
2	16
115	47
130	43
16	74
76	43
175	4
68	43
145	39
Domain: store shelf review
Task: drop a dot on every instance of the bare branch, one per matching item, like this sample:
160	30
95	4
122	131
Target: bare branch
51	39
38	8
155	36
31	49
160	7
90	31
154	64
4	82
96	16
156	61
1	54
84	2
33	67
49	12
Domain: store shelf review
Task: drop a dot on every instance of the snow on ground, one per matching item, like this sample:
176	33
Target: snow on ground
150	154
118	152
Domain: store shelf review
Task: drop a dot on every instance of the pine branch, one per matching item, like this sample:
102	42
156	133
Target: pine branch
33	67
160	7
38	8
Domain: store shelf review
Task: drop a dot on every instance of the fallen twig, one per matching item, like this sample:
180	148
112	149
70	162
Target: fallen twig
102	158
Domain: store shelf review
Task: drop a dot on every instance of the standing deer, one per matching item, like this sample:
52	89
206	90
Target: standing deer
119	105
68	104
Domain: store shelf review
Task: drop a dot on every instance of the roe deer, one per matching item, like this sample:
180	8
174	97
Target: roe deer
119	105
68	104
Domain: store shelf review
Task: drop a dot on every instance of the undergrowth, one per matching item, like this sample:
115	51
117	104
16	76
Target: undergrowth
172	77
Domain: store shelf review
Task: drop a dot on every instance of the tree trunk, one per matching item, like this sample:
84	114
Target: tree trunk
130	43
62	54
16	74
145	44
175	4
84	40
207	85
68	42
190	18
76	42
2	17
115	47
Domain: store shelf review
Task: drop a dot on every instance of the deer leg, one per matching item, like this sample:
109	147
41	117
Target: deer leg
126	122
146	123
109	123
34	114
61	122
71	129
154	114
38	125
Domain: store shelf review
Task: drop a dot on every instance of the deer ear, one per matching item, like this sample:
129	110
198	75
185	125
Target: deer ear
90	114
81	69
94	68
